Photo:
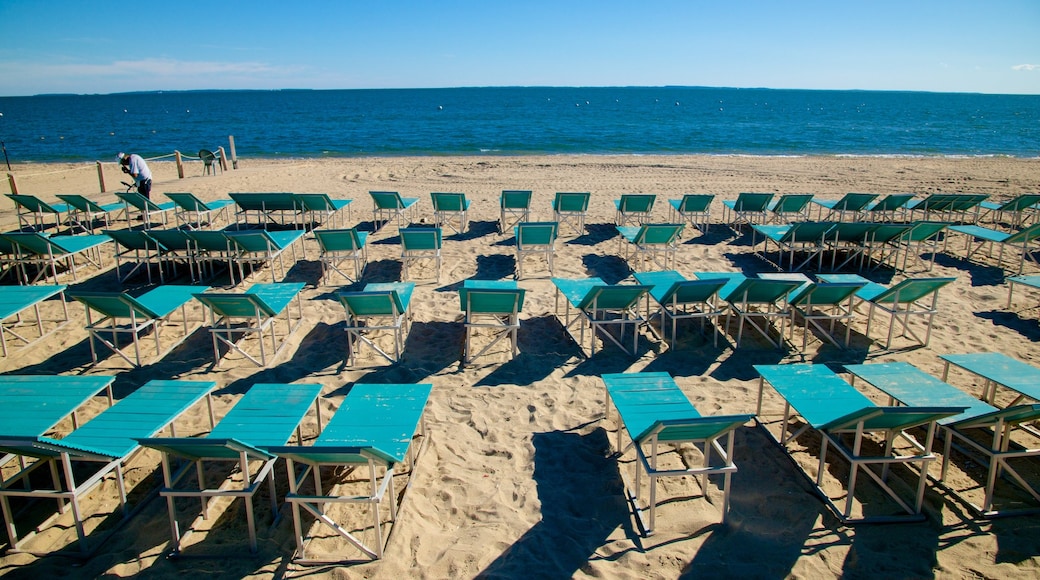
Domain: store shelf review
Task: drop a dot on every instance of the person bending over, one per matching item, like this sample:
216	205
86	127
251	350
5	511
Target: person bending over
135	166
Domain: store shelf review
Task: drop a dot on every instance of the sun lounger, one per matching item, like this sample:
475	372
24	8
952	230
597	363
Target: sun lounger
280	208
790	207
838	412
656	243
849	208
107	442
136	247
757	301
923	235
380	306
32	405
634	209
14	300
266	416
917	297
994	449
823	302
1028	281
450	210
515	207
949	207
82	212
47	252
537	239
997	369
388	205
571	208
257	247
600	306
339	246
33	212
257	311
373	428
119	314
144	207
886	208
420	244
800	237
178	248
1020	209
883	243
693	209
319	206
193	213
211	247
493	305
654	411
680	299
1021	243
749	208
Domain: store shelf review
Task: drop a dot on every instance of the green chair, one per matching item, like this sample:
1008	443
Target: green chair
655	412
266	416
33	212
853	240
912	297
319	207
178	249
817	399
924	236
693	209
14	300
759	302
209	162
339	246
388	205
748	208
147	208
136	247
236	316
884	243
111	315
822	302
535	239
193	213
887	208
258	247
46	253
210	248
849	208
515	207
380	306
790	207
1021	243
375	427
419	244
652	243
88	455
1020	209
571	208
280	208
599	306
800	237
680	299
451	210
984	433
493	305
997	369
82	212
634	208
1027	281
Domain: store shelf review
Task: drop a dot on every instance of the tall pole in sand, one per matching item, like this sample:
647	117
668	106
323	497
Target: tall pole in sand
4	147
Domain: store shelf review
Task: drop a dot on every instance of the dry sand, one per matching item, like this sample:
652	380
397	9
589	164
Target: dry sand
516	479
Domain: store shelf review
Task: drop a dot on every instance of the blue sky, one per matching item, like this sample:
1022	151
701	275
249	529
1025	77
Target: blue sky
78	46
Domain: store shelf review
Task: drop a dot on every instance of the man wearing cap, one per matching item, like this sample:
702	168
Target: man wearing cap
135	167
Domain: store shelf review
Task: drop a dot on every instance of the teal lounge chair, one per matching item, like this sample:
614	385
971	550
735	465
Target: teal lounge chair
82	212
210	248
912	297
760	302
46	253
748	208
634	209
693	209
883	244
678	299
338	247
849	208
178	249
119	314
997	369
494	305
193	213
984	432
281	208
105	442
258	311
257	247
266	416
375	426
653	243
380	306
887	208
33	405
600	306
571	207
450	210
535	239
388	205
33	212
827	404
319	207
830	303
144	207
923	236
800	237
790	207
1020	209
1027	281
853	241
654	412
419	244
14	300
1021	243
137	248
515	207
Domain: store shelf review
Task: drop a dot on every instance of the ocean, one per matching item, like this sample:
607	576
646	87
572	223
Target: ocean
520	121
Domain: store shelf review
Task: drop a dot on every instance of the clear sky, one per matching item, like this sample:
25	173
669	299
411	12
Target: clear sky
81	46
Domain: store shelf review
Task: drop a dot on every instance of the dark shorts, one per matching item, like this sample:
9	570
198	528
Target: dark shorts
145	188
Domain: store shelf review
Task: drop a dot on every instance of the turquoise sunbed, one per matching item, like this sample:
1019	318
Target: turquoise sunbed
600	306
257	247
47	252
694	209
1020	242
494	305
374	427
32	405
342	245
146	207
14	300
266	416
656	243
749	208
834	408
634	208
1028	281
852	203
82	211
1020	207
514	208
321	205
138	248
420	243
193	213
535	238
790	207
210	247
807	237
758	301
654	411
679	299
234	316
380	306
830	302
571	207
997	369
33	211
451	210
269	207
388	205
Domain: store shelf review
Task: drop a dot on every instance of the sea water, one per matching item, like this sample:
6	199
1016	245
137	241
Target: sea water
521	121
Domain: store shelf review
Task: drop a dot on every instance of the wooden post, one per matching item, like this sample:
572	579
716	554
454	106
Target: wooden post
234	158
180	165
101	176
12	183
223	158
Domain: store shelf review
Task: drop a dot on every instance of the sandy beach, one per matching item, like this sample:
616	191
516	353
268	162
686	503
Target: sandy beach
517	478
